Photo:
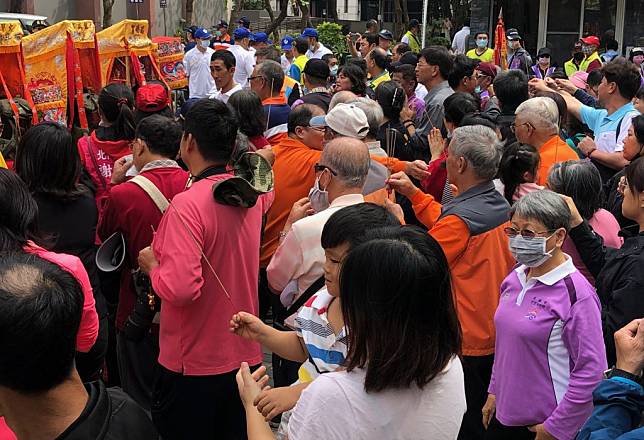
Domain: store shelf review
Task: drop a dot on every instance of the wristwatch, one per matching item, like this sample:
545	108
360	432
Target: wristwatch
616	372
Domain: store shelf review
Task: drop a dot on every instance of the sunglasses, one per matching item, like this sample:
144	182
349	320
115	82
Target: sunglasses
319	168
525	233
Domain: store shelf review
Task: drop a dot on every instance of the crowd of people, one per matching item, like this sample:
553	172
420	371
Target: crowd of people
428	246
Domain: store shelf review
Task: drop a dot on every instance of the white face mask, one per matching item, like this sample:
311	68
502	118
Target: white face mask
205	43
334	70
318	197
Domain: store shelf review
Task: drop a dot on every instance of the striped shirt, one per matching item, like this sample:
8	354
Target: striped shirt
327	349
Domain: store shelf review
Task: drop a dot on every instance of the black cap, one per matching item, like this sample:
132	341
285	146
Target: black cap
245	21
513	36
544	51
317	69
406	58
222	23
413	23
387	35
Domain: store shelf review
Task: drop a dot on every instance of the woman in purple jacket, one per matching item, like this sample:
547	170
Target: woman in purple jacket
549	346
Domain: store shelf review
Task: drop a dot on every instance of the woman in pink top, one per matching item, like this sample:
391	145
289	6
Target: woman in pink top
518	172
581	181
18	212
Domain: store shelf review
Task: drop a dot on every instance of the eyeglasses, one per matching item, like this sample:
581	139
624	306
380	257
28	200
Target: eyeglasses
319	168
525	233
251	78
513	126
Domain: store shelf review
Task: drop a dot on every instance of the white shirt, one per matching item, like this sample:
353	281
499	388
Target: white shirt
319	53
421	91
245	63
336	406
300	256
197	66
223	97
460	40
286	64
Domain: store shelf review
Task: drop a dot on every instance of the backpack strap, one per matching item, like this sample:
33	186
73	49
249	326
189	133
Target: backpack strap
151	189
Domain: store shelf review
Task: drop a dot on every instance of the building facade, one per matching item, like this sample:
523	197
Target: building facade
557	24
163	20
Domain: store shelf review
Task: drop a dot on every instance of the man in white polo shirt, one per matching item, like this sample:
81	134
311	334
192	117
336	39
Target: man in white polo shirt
299	260
316	49
197	64
222	67
245	60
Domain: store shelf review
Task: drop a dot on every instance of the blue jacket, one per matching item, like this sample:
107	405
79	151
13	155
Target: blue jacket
619	403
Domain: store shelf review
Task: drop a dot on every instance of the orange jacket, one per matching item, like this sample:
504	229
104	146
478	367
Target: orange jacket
293	178
554	151
470	231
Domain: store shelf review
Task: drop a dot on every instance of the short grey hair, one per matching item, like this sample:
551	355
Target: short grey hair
342	98
543	206
349	159
375	116
273	74
541	108
480	146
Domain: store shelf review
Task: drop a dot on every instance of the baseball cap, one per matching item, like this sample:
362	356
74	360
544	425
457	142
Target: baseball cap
413	22
591	39
244	21
543	52
637	51
513	36
310	32
317	69
579	79
287	42
261	37
151	98
347	120
406	58
202	34
241	33
487	69
222	24
387	35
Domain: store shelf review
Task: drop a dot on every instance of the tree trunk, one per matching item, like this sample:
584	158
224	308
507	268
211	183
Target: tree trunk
399	26
332	13
107	13
306	14
190	7
280	18
16	6
238	5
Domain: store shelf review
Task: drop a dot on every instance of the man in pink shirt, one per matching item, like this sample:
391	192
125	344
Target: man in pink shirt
204	265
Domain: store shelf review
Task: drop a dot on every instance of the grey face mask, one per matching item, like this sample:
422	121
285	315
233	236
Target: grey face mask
318	197
530	252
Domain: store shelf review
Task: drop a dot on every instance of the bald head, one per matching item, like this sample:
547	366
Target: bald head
342	98
349	159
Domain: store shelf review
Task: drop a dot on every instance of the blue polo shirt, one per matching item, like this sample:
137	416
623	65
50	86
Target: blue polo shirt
604	126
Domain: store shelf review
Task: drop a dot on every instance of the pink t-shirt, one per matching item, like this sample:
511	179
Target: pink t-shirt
605	225
194	338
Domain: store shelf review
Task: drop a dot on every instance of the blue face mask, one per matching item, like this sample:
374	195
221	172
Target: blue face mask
205	43
477	89
530	252
481	43
318	197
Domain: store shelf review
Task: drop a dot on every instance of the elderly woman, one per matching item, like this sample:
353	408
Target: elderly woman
580	180
619	274
549	353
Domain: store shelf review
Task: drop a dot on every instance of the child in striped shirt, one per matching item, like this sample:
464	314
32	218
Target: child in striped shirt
319	340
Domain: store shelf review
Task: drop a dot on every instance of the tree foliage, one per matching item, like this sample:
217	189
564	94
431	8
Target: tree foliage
330	34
